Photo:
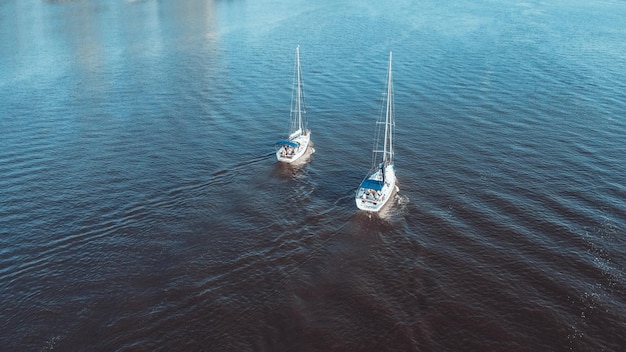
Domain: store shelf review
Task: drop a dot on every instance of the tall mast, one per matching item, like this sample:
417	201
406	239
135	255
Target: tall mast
388	116
298	94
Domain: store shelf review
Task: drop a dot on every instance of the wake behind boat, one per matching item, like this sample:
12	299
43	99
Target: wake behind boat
379	184
297	142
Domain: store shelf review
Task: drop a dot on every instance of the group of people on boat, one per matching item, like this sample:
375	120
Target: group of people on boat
371	194
288	151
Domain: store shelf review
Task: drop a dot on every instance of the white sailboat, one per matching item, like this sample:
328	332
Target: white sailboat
379	184
296	144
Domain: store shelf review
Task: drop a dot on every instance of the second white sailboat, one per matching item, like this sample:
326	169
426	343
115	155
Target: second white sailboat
380	183
297	142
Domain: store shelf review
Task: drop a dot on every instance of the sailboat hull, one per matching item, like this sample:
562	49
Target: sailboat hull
289	154
374	193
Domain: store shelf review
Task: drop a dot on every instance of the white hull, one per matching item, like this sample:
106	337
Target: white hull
372	200
288	154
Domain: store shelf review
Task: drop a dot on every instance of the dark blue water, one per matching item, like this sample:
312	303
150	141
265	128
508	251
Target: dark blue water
142	209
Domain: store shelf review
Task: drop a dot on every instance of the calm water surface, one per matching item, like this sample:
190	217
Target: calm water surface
142	209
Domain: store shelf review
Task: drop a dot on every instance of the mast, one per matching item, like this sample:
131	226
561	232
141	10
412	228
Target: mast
388	147
299	93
